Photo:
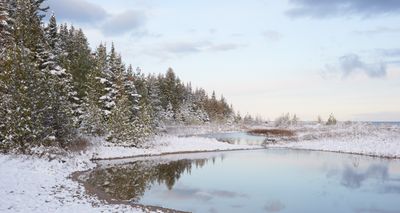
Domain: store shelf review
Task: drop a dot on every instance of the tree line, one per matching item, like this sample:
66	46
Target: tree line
53	87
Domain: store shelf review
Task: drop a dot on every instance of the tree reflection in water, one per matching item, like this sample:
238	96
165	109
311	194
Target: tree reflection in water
130	181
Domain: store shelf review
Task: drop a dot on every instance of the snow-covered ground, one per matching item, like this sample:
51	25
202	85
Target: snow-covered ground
32	184
42	184
358	138
180	130
165	144
38	184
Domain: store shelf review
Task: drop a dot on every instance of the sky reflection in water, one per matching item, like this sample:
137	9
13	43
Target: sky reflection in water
257	181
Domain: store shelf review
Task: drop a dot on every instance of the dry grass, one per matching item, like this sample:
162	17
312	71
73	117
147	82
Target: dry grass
79	144
273	132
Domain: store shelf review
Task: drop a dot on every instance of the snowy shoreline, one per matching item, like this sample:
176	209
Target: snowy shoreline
358	138
37	184
164	145
355	150
44	184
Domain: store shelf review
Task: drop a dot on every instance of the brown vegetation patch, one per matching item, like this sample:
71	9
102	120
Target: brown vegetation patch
79	144
273	132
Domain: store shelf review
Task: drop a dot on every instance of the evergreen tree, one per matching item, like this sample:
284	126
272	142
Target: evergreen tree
123	129
155	104
51	85
76	57
38	109
53	38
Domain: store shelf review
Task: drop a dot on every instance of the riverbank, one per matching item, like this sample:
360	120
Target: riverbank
354	138
42	182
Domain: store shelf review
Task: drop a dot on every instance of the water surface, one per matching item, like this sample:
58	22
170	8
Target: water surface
273	180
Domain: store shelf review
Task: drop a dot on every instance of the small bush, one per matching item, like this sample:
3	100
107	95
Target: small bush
272	132
79	144
285	120
331	120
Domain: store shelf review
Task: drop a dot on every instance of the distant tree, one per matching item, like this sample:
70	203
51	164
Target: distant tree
248	119
238	117
294	120
283	120
331	120
319	120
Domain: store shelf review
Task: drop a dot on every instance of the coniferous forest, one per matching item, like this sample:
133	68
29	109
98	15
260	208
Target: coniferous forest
54	87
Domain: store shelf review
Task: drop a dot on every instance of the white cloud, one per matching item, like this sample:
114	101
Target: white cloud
330	8
351	64
272	35
77	10
124	22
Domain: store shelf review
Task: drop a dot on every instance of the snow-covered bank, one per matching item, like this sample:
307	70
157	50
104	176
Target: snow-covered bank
33	184
389	149
165	144
357	138
185	130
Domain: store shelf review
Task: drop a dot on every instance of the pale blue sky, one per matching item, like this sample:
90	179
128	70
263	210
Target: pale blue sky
266	56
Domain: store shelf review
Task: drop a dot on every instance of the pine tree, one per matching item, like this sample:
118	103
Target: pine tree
95	118
53	38
155	104
123	129
76	57
38	109
6	28
51	84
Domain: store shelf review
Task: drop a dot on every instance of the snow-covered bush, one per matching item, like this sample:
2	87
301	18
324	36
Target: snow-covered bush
286	120
331	120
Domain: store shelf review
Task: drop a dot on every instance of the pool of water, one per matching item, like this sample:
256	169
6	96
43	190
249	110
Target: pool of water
272	180
241	138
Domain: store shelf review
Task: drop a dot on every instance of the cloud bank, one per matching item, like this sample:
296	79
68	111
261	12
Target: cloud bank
124	22
351	64
379	30
167	50
330	8
82	11
77	10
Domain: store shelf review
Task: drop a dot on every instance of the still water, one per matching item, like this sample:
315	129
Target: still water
273	180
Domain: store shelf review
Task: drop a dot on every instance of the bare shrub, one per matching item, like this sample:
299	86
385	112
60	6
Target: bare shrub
78	144
273	132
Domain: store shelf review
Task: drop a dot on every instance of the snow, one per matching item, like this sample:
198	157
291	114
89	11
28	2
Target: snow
102	80
166	144
356	138
42	184
57	72
370	147
31	184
